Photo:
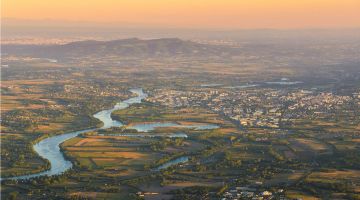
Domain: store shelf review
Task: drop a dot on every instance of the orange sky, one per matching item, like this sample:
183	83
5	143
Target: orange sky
194	13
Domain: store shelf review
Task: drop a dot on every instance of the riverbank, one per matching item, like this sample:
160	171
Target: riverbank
49	147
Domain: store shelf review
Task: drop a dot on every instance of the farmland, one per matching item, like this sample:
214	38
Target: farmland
297	141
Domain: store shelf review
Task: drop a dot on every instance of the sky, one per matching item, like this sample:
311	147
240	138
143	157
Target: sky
216	14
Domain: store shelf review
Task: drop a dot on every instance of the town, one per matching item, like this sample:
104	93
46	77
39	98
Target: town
263	107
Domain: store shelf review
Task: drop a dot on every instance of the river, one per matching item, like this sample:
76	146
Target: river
182	159
49	148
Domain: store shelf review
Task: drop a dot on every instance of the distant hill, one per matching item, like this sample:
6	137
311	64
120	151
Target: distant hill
170	47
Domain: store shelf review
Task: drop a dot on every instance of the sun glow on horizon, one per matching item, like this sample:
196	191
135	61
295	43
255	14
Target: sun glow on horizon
190	13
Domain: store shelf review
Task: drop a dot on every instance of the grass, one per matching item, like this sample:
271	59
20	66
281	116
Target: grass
103	152
150	113
300	195
312	144
108	154
306	148
285	178
336	176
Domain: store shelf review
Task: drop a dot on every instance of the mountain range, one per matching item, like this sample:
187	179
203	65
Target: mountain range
133	47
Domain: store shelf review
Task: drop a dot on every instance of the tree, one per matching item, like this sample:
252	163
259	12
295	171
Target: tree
13	195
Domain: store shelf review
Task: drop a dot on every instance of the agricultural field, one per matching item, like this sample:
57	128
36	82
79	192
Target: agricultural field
148	112
313	156
122	154
32	109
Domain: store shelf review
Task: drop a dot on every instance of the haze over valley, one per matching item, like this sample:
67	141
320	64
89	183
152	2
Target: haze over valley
170	101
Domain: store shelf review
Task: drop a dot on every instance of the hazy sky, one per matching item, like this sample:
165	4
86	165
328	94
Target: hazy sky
229	14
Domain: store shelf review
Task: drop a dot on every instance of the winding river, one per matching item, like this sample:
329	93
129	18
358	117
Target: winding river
49	148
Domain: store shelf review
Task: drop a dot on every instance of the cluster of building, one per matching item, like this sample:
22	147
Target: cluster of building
256	107
176	98
249	193
324	100
91	90
247	107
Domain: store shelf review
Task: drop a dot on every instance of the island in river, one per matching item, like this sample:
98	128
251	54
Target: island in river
49	148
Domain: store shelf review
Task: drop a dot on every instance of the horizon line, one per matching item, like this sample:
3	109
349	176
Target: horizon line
133	25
